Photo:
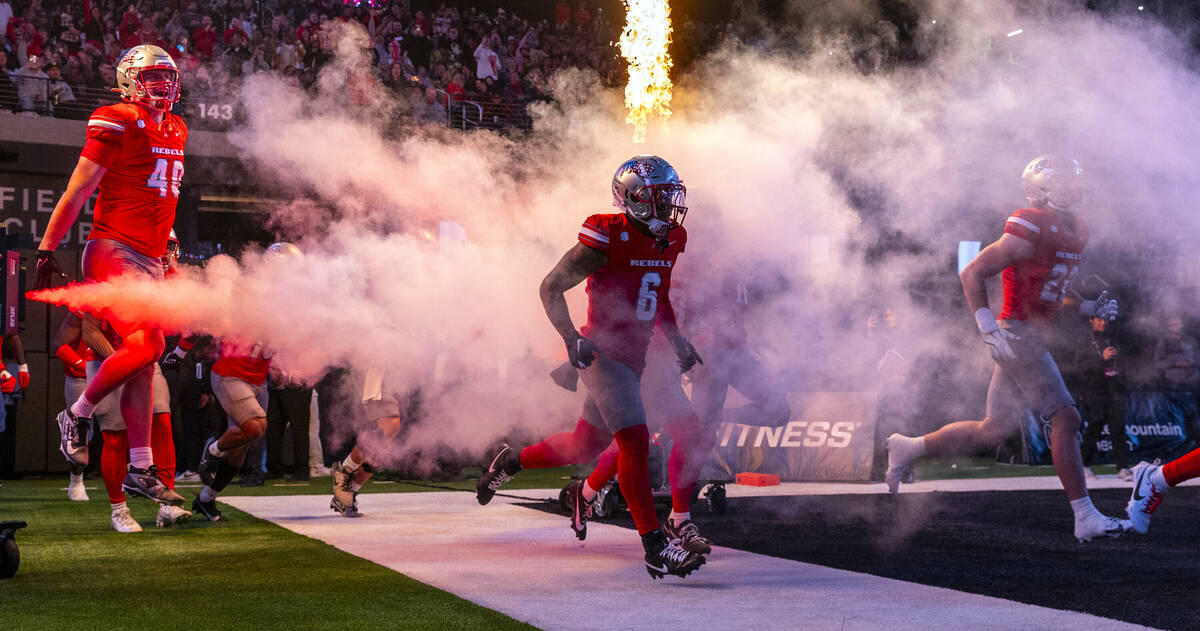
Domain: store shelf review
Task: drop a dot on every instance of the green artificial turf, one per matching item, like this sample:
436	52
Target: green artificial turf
244	573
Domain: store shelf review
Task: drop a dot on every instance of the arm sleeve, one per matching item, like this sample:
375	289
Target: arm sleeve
67	355
594	233
666	315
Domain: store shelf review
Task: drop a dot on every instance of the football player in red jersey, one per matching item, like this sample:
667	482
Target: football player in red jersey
74	354
239	382
667	409
385	404
134	154
1037	255
627	259
1150	483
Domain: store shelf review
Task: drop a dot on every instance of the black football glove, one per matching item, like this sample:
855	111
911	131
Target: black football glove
686	353
581	352
47	271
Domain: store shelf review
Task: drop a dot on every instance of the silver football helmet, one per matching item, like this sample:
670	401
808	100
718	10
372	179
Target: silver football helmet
1054	182
147	73
649	190
282	252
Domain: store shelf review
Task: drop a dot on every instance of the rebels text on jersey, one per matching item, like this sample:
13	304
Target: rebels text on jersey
630	292
139	191
252	368
1034	288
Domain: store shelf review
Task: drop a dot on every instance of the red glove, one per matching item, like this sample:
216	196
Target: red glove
23	375
8	383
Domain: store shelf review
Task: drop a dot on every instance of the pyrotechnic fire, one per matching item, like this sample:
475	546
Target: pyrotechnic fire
644	44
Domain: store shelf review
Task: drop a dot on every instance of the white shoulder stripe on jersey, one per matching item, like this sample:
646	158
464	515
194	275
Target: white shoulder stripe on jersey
1024	223
592	234
106	125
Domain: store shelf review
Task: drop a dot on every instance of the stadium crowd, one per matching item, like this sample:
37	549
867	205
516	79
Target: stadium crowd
59	54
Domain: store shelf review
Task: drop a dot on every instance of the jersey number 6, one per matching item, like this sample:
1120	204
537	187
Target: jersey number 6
647	300
159	178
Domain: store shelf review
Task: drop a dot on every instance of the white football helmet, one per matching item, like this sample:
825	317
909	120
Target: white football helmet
148	74
1054	182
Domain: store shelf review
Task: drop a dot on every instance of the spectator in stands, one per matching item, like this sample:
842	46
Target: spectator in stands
32	86
487	62
237	54
418	47
562	14
1104	398
257	62
1177	357
6	14
93	25
429	110
235	28
287	53
60	91
397	78
205	38
8	89
146	34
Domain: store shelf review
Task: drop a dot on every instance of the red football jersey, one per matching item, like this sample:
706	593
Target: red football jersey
1034	288
626	295
252	368
139	191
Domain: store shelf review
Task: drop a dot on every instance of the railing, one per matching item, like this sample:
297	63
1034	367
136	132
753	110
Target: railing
221	112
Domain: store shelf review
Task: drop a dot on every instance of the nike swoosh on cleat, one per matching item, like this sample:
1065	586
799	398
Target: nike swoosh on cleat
1137	486
657	568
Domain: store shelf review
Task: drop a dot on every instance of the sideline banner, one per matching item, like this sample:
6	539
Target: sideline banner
831	437
1156	422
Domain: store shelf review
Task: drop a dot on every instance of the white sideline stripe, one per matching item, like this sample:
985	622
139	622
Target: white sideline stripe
1026	483
1026	224
526	564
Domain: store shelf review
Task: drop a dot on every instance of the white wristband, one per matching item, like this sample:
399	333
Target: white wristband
23	368
179	352
985	320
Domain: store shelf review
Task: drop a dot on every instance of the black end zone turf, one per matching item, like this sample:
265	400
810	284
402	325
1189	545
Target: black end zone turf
1009	544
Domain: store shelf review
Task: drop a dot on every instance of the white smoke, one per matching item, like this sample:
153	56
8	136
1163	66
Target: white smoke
833	180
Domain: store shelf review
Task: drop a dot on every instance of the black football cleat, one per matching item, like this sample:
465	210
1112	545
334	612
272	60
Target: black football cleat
207	470
503	467
207	509
667	557
581	509
147	484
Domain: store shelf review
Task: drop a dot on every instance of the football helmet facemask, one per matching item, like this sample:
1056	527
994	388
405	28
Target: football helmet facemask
147	74
649	190
1054	182
171	256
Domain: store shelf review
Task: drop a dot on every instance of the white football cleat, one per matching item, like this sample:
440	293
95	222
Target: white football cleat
1145	498
171	515
76	492
122	521
1101	526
